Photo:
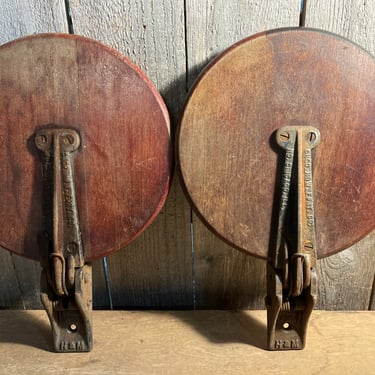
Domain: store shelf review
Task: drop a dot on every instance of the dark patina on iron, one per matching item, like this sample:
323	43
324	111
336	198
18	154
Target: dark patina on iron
291	267
66	281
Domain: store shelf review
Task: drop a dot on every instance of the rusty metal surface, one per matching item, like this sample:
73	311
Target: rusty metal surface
61	245
291	268
226	144
66	282
71	316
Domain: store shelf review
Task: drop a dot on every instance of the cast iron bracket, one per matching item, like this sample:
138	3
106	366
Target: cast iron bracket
291	267
66	281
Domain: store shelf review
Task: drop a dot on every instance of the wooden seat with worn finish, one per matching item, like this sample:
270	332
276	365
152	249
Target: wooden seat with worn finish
226	143
123	167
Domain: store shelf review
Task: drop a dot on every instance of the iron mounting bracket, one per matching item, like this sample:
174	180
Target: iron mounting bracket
66	281
291	267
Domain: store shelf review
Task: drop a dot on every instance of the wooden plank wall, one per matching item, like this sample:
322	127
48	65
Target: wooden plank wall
177	263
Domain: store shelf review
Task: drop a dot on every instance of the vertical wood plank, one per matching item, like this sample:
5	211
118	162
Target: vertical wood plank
19	280
353	19
23	17
155	270
224	277
214	25
346	279
10	290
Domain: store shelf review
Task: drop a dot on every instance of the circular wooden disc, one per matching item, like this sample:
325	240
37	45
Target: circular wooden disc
122	169
226	136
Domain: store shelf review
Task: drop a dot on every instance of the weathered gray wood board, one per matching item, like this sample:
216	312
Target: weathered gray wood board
346	279
214	25
172	41
21	17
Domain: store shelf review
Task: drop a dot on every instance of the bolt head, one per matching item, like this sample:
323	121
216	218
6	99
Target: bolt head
284	136
311	137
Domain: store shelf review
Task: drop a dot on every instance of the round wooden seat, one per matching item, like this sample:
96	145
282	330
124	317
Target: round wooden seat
122	169
226	143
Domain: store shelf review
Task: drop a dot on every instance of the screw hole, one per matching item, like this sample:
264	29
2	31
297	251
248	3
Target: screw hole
72	328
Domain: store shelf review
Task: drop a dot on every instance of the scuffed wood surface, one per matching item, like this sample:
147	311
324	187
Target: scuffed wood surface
354	286
186	342
227	149
122	169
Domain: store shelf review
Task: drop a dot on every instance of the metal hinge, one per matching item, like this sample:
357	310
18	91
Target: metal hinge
291	268
66	281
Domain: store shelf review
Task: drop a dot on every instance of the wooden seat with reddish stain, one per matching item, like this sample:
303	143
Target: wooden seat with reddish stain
226	136
123	166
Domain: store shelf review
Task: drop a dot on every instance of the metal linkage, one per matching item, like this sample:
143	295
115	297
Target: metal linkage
291	268
66	282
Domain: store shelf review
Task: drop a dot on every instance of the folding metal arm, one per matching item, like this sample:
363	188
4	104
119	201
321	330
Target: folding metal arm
66	282
291	269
